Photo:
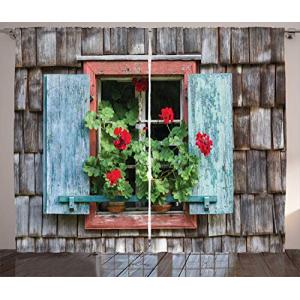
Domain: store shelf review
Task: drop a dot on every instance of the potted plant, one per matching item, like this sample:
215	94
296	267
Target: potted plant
108	169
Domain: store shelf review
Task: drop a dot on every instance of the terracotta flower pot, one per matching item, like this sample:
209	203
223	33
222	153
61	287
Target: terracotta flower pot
116	207
161	208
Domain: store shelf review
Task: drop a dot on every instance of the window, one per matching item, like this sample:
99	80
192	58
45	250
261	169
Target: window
120	93
174	76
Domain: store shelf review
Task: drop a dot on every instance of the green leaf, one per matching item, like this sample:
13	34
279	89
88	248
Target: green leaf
131	117
91	120
106	114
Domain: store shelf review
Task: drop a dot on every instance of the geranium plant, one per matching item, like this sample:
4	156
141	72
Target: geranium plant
108	169
174	168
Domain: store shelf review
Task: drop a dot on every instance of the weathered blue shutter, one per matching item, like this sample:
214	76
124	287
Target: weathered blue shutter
66	142
210	111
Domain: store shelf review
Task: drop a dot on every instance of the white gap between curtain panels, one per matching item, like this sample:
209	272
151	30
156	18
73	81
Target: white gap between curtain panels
149	136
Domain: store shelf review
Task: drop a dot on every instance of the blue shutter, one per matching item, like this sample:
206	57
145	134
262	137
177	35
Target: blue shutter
210	111
66	142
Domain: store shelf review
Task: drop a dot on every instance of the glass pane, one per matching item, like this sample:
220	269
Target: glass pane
164	94
160	131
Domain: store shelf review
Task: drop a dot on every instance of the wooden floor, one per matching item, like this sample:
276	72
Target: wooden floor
147	264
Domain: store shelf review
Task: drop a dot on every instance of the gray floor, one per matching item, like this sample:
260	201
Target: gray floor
150	265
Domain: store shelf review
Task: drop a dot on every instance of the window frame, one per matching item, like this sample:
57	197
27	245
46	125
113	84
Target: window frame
96	69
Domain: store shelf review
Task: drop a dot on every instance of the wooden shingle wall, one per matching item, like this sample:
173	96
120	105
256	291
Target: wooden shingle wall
255	57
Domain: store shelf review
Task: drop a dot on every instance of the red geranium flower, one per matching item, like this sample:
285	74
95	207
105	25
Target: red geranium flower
204	143
167	115
124	138
114	176
141	85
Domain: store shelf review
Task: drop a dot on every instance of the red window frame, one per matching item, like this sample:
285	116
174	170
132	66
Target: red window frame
96	69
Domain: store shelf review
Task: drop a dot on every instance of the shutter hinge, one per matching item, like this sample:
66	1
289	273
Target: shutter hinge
72	205
206	202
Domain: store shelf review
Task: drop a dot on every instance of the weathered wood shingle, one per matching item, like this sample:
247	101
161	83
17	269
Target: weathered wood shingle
28	37
240	245
239	171
68	45
166	40
212	244
35	89
18	132
35	216
179	40
251	85
92	41
67	226
110	245
257	244
175	245
225	45
277	45
57	245
136	41
88	245
263	214
279	213
22	216
25	244
41	245
46	46
139	244
247	214
228	244
20	89
40	132
276	244
241	125
73	45
192	40
233	221
260	128
236	84
210	46
240	45
61	46
70	245
49	225
278	128
30	132
216	225
280	85
118	40
256	171
197	245
106	41
38	169
274	171
27	174
268	85
260	44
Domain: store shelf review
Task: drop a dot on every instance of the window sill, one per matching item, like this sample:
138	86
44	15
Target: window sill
139	221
